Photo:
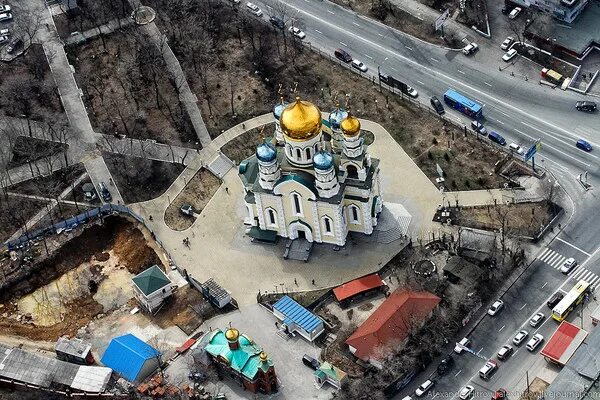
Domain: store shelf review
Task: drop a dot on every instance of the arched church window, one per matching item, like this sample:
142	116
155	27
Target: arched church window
354	214
308	156
272	216
298	154
352	172
297	203
327	224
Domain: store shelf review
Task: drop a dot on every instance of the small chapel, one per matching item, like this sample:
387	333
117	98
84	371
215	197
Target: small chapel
314	179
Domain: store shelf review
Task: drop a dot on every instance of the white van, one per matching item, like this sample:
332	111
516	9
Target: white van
486	371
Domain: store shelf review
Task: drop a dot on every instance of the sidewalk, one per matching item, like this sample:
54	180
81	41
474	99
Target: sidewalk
147	149
104	29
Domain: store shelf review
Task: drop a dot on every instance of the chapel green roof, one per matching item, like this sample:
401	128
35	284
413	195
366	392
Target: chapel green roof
151	280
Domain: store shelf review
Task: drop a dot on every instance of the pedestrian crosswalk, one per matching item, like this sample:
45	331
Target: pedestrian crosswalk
556	260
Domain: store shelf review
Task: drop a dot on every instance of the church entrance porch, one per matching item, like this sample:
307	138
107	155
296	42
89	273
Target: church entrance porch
298	249
300	230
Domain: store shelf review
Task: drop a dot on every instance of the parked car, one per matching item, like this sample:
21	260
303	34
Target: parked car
104	193
4	8
509	55
495	308
254	9
445	365
4	32
466	392
507	42
471	48
555	299
311	362
359	65
536	320
4	39
486	371
424	388
437	105
588	106
500	394
464	342
343	55
297	32
495	137
14	45
568	265
534	342
412	92
277	22
505	352
520	337
478	127
515	12
5	17
516	148
584	145
187	209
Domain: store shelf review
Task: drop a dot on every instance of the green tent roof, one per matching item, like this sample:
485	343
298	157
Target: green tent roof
151	280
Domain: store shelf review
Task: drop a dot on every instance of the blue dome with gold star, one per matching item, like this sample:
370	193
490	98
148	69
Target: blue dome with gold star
323	160
266	152
336	117
278	109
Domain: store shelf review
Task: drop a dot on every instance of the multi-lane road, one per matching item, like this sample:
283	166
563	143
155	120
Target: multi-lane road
520	110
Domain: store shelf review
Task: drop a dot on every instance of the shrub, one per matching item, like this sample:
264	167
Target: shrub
434	141
446	157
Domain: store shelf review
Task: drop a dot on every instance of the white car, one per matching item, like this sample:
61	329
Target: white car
464	342
509	55
520	337
4	39
486	371
568	265
253	8
507	42
412	92
359	65
495	308
534	342
424	388
297	32
513	14
4	8
504	352
536	319
466	392
5	16
4	32
471	48
516	148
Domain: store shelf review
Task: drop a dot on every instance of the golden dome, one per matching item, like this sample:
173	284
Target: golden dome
263	356
232	334
300	121
350	126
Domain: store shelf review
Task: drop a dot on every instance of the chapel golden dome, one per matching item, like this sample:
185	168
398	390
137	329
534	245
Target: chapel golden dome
300	120
263	356
232	334
350	126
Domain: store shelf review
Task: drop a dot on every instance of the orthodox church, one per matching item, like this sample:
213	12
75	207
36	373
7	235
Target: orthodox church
314	179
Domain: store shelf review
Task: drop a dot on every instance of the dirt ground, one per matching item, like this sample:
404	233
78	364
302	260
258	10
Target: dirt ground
244	145
536	389
51	185
187	309
27	88
118	235
127	89
88	15
140	179
28	149
197	193
521	219
14	212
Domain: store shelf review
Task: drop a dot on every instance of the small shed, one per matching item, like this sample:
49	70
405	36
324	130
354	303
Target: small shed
215	293
564	343
327	373
362	286
74	351
151	287
458	269
131	357
296	318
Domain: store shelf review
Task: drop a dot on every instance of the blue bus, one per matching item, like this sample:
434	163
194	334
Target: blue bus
463	104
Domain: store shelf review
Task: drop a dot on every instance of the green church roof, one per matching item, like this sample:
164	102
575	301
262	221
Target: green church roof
151	280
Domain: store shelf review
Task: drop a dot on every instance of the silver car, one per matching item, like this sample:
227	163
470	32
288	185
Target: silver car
520	337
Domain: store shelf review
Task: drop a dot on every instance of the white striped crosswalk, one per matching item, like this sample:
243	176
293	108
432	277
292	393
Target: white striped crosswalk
556	260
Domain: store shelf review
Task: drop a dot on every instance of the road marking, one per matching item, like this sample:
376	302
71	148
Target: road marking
505	114
356	24
479	351
330	12
544	285
419	82
458	373
500	122
434	396
500	330
410	48
368	56
487	84
573	246
523	306
460	72
435	60
543	253
394	69
343	44
380	34
318	31
515	352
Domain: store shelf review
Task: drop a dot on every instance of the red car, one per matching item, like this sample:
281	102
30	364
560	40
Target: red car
500	394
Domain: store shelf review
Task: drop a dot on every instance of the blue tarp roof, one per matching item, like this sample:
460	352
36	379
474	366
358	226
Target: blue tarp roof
127	354
294	312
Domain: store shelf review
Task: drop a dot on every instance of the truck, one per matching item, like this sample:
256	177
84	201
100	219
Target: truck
552	76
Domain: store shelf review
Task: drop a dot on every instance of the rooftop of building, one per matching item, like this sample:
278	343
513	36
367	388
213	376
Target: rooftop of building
151	280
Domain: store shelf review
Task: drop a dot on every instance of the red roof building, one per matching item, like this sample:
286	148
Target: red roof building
391	323
563	344
357	286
